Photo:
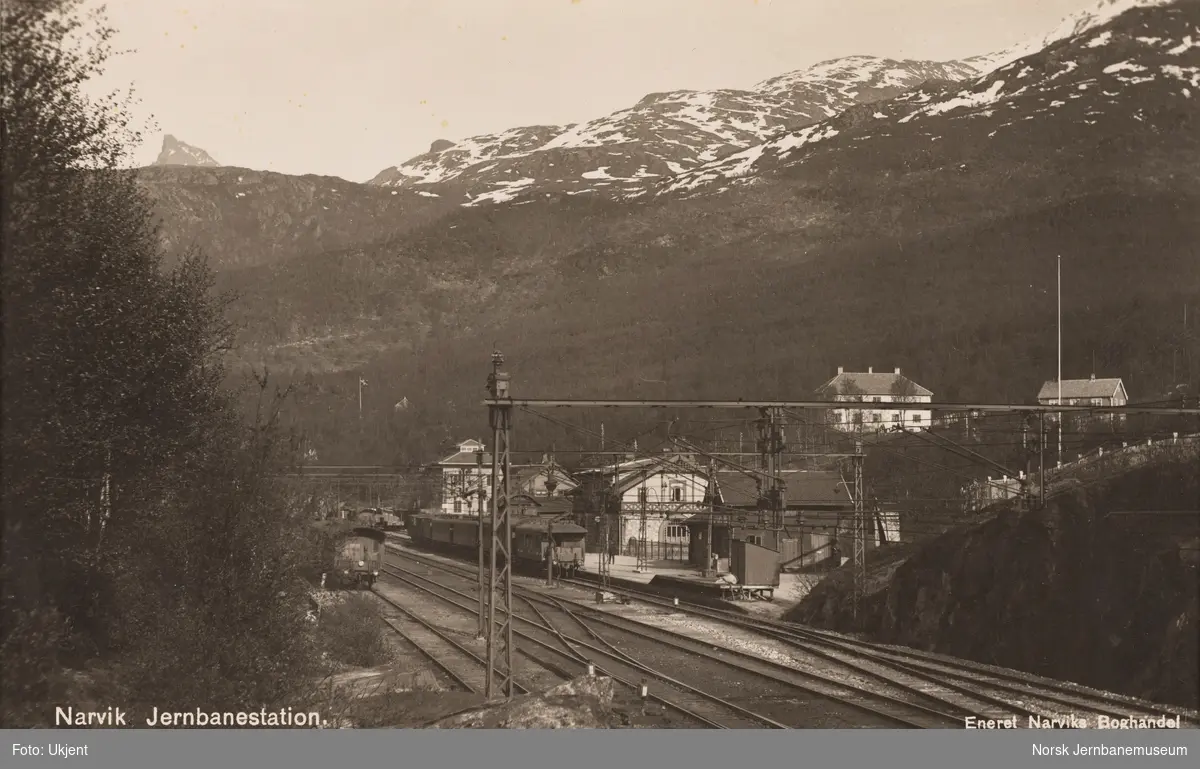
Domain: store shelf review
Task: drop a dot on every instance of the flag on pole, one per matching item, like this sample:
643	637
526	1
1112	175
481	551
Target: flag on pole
362	382
402	404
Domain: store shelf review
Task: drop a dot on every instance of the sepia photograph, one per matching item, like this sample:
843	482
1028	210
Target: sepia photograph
601	364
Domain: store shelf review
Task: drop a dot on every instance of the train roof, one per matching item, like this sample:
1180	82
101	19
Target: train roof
363	531
542	524
519	522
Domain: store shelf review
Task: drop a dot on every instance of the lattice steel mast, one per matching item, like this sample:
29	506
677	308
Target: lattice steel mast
860	530
500	670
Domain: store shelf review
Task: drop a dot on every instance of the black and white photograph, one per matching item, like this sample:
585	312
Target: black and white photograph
600	364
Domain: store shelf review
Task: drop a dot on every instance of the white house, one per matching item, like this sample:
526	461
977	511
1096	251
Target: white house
666	490
871	387
466	477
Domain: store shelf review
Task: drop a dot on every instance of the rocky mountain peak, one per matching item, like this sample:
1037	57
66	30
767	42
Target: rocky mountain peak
177	153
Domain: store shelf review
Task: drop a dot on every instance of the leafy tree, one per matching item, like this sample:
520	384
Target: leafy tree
141	524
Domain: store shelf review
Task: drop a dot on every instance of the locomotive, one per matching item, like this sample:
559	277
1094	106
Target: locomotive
459	535
359	557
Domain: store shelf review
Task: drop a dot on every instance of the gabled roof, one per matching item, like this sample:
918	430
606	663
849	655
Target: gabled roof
527	473
633	472
526	504
465	458
1080	388
675	464
873	383
803	487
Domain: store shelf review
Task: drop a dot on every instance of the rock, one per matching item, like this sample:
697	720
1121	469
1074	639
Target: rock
371	681
583	703
177	153
440	144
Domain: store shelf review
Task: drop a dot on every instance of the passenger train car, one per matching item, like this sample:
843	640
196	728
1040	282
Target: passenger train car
530	534
359	557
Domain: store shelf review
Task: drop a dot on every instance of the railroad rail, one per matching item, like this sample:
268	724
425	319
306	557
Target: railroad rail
689	701
953	689
780	684
692	707
1013	688
437	646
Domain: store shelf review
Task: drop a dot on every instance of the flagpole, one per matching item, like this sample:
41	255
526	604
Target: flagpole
360	398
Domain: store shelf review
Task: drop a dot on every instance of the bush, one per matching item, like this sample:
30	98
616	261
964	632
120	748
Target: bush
352	632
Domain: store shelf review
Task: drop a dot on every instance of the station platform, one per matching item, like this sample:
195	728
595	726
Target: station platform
624	568
672	579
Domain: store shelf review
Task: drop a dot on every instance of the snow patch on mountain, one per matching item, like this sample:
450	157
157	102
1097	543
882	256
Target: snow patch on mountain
663	134
1076	24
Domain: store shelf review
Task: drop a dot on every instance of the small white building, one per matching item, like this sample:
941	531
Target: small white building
1084	392
868	387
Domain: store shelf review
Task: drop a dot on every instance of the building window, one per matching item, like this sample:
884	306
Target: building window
457	505
876	418
675	531
677	493
754	539
877	399
895	416
916	418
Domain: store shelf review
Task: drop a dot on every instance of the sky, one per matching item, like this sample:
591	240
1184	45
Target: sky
352	87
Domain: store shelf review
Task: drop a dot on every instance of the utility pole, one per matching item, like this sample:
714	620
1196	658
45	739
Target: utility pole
549	553
500	672
860	531
643	561
361	383
482	588
1060	414
606	502
771	446
712	498
1042	458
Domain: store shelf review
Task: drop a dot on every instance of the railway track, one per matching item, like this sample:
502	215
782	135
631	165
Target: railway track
951	689
777	691
695	705
440	648
1026	695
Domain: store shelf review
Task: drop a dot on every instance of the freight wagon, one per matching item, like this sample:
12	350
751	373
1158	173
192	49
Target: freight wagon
531	535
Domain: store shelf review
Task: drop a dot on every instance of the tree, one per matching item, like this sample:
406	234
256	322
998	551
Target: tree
132	490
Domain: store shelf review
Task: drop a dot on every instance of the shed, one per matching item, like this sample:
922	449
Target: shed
754	565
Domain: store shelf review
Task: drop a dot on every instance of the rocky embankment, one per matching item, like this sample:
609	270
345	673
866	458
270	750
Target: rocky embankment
584	703
1068	592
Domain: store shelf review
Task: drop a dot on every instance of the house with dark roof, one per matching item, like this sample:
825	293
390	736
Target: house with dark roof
876	387
545	479
1084	392
818	514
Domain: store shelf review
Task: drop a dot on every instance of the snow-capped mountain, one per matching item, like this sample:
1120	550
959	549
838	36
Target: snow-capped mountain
662	135
1075	24
177	153
1109	78
669	140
